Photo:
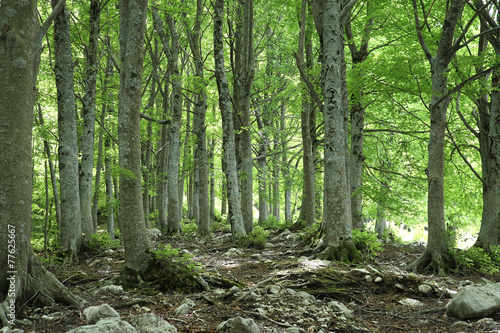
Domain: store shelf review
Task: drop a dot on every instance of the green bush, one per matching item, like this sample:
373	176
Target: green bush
366	242
273	223
189	227
171	255
475	258
256	239
308	233
102	241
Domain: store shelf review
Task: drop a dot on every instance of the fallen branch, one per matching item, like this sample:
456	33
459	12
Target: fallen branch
252	289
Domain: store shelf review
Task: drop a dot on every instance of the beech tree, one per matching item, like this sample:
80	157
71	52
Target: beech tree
20	47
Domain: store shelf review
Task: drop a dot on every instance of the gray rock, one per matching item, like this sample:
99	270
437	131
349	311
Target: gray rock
238	325
107	325
410	302
112	289
95	313
151	323
274	289
360	272
153	234
425	289
183	309
339	307
378	279
368	278
232	252
474	302
189	302
306	296
9	330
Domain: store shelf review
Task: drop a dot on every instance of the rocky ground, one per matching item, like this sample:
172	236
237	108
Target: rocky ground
281	288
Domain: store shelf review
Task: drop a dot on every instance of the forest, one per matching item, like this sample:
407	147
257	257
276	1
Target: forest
158	132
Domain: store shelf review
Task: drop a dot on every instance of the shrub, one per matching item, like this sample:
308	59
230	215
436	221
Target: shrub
366	242
256	239
102	241
167	253
475	258
189	227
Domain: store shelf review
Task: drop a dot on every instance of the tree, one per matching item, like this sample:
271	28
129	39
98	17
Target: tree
230	169
133	228
71	228
328	16
20	47
435	249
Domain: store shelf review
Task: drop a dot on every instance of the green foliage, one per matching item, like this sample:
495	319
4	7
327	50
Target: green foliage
166	253
257	239
477	259
366	242
189	227
101	241
273	223
220	225
308	233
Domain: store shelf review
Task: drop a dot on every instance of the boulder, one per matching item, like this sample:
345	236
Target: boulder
111	289
151	323
339	307
153	234
238	325
95	313
107	325
473	302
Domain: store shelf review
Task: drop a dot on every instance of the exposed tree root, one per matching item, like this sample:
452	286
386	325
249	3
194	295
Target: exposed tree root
429	262
345	252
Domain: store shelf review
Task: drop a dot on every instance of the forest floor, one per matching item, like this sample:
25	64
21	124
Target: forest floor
375	306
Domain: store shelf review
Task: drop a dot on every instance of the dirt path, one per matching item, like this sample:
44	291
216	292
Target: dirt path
274	279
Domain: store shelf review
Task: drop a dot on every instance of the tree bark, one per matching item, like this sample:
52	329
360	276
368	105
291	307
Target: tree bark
71	230
435	250
88	114
133	228
237	224
336	207
22	275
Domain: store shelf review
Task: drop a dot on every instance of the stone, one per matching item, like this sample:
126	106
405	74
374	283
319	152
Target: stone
411	302
151	323
306	296
106	325
378	279
95	313
273	289
189	302
109	252
232	252
153	234
9	330
368	278
111	289
339	307
473	302
425	289
183	309
238	325
360	272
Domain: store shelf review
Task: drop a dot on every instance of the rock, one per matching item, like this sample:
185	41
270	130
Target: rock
293	238
306	296
189	302
368	278
274	289
339	307
474	302
378	279
486	321
112	289
109	252
183	309
373	269
425	289
95	313
360	272
399	286
153	234
411	302
9	330
151	323
234	289
460	324
107	325
232	252
238	325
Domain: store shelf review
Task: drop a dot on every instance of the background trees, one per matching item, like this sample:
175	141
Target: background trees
293	126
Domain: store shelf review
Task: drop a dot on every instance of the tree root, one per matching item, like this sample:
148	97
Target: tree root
345	252
429	261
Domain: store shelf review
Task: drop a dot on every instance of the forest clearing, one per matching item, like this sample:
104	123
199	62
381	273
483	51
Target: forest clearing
249	165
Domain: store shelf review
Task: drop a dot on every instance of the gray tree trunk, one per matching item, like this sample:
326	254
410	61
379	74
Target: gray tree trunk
211	150
88	114
161	199
233	193
336	208
133	228
71	231
185	159
20	49
110	214
262	163
436	244
285	169
243	79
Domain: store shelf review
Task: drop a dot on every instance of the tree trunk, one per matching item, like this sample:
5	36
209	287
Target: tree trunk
211	150
133	228
435	250
185	161
237	224
336	207
71	231
88	115
243	79
285	169
110	218
22	275
98	168
262	163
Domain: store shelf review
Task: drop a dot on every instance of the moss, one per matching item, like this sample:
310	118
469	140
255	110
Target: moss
168	275
346	253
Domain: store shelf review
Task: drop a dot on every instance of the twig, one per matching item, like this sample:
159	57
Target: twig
252	289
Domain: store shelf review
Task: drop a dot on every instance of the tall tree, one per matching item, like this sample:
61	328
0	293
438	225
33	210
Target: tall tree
22	275
447	47
71	230
244	71
230	168
337	220
133	228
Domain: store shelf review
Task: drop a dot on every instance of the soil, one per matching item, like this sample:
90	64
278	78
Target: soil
375	305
